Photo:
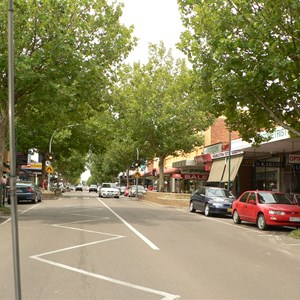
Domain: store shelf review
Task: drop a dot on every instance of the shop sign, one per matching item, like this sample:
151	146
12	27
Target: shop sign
190	171
226	154
294	158
269	164
183	163
278	134
32	166
195	176
262	163
248	162
200	159
213	149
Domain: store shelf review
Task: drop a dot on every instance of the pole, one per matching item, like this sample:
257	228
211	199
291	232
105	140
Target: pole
137	179
229	160
50	145
12	149
50	148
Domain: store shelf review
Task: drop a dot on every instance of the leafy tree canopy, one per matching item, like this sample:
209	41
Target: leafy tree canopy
155	105
246	55
66	53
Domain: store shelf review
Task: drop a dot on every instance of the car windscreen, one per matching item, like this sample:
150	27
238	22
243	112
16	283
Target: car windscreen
219	193
273	198
106	185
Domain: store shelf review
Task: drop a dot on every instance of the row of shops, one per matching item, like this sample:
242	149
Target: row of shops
274	165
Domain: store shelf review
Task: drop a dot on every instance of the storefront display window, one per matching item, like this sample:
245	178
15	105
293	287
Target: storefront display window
266	181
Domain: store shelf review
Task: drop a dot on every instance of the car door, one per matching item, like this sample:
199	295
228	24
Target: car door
251	208
241	206
196	199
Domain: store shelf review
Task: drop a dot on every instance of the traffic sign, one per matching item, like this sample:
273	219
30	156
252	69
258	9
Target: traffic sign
137	175
49	169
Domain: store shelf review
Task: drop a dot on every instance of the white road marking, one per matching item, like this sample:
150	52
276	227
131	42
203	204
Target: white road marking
39	257
166	296
21	213
140	235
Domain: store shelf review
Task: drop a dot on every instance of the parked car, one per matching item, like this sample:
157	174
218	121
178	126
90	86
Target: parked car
132	190
266	208
93	188
122	189
126	191
109	190
79	187
212	200
26	191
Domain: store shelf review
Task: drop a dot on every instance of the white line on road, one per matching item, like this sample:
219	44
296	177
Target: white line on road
141	236
166	296
22	212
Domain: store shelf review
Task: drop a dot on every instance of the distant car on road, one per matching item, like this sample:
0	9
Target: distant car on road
79	187
212	200
26	191
266	208
132	190
93	188
109	190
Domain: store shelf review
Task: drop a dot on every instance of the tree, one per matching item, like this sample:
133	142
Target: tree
65	56
156	106
246	55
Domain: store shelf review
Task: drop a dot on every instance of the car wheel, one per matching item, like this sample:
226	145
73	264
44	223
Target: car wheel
191	207
236	218
34	200
206	210
261	222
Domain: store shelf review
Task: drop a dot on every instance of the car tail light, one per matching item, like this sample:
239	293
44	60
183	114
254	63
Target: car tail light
30	189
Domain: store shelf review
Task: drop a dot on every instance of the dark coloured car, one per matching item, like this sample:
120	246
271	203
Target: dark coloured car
26	191
266	208
93	188
212	200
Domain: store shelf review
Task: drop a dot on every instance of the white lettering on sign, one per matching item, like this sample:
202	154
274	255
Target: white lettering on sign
294	158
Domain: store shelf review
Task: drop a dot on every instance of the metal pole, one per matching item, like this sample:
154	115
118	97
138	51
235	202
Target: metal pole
229	160
137	179
50	145
12	149
50	148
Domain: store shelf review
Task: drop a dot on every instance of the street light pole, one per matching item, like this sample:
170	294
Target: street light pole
50	148
137	179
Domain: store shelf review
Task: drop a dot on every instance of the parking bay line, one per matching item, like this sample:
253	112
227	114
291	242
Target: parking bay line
140	235
39	257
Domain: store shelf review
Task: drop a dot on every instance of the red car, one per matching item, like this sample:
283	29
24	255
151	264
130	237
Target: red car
266	208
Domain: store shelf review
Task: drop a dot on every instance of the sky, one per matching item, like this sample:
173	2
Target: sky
154	21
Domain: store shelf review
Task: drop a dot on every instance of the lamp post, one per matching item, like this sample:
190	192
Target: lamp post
50	148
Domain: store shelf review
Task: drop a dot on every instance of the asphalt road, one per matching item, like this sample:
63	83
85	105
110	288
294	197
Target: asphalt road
84	247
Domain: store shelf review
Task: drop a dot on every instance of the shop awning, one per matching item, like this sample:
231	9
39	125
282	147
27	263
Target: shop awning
217	170
235	163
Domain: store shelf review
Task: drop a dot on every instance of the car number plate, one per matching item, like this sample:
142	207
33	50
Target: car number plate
293	219
229	210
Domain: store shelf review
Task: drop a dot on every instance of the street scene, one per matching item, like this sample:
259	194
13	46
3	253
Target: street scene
150	149
81	246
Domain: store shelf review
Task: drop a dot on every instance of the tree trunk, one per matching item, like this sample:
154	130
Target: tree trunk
161	182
